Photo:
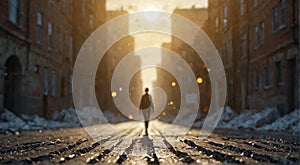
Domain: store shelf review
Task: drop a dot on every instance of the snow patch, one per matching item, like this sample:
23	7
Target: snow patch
287	122
267	119
61	119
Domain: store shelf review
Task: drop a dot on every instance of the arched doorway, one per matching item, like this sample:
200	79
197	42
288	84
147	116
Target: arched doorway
12	84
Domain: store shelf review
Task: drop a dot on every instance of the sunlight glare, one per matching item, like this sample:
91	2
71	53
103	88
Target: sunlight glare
152	16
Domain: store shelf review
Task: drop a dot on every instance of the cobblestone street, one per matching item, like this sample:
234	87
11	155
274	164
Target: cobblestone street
130	146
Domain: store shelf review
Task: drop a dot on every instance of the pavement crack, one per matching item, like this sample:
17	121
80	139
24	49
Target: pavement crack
84	150
213	154
251	154
181	155
51	154
28	146
97	158
125	154
278	146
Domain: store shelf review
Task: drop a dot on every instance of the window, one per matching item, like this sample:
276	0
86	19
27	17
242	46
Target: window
91	21
256	80
70	47
46	79
70	82
64	38
63	5
225	53
279	74
83	8
244	45
225	15
70	8
217	24
65	42
267	76
15	14
262	32
50	36
51	2
282	12
229	49
53	83
255	3
59	34
63	87
275	18
255	36
242	7
39	27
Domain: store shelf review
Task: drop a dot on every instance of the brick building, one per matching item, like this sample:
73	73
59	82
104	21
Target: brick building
39	43
258	42
273	49
88	15
165	79
107	67
33	81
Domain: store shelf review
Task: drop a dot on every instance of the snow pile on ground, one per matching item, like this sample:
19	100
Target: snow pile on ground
60	119
253	119
86	116
11	122
227	115
66	115
267	119
289	121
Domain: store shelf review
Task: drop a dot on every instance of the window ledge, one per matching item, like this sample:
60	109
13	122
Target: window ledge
267	87
280	84
281	27
18	25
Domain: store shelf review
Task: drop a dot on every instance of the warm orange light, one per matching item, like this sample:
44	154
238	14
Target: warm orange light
171	102
130	117
205	109
113	94
164	113
173	84
199	80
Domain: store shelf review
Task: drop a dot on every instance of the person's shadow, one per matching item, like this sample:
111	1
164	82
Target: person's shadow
148	145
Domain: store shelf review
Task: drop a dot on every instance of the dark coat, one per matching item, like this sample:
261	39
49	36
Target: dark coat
146	102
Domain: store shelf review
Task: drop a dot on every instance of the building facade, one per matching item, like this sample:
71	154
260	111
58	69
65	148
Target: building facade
168	82
273	51
39	44
33	81
260	58
120	49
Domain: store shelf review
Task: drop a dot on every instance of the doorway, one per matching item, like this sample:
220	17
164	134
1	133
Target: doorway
12	84
291	78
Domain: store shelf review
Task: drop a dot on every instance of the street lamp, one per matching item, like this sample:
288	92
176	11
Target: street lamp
113	94
173	84
199	80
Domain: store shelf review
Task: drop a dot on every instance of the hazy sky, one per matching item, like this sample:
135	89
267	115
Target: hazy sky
150	39
163	5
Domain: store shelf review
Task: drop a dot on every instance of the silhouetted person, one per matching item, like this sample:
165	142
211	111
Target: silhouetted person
146	107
